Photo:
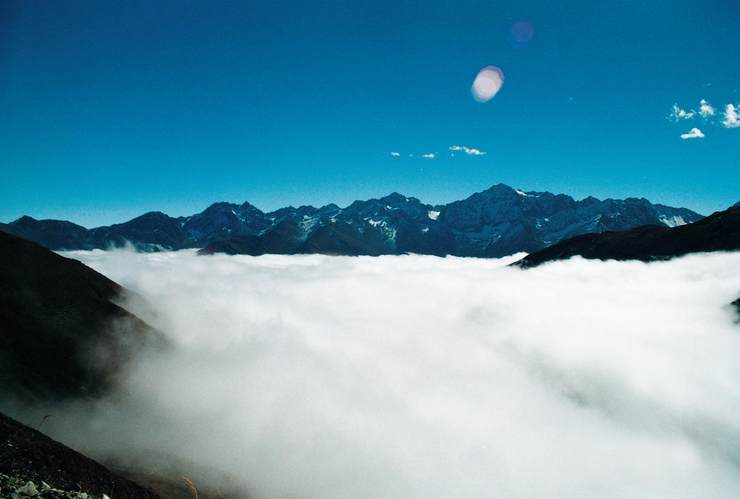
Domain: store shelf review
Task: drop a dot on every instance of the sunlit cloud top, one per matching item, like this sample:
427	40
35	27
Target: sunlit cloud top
420	377
731	117
694	133
705	109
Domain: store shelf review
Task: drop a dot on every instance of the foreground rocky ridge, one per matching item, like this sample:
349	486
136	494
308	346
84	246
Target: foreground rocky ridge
64	333
18	488
496	222
65	338
717	232
56	471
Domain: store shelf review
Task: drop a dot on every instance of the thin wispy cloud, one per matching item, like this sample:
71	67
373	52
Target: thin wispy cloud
694	133
468	150
678	114
731	119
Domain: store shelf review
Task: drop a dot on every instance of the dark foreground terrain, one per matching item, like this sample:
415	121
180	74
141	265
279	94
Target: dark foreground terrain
64	337
717	232
63	333
28	455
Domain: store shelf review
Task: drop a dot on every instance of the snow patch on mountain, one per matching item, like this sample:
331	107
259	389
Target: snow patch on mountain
673	221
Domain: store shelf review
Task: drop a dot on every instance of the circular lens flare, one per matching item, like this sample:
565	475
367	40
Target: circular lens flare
522	32
487	83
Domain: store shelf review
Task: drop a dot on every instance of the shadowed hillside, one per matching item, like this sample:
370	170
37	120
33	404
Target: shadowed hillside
35	457
62	332
718	232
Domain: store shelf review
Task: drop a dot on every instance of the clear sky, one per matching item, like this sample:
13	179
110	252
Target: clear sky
109	109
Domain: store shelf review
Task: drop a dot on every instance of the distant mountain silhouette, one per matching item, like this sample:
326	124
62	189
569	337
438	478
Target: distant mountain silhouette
496	222
62	333
717	232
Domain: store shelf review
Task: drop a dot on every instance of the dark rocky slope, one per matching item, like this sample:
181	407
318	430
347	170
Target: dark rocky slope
717	232
64	338
28	455
62	333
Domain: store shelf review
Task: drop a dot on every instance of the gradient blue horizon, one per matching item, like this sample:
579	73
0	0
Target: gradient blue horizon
113	109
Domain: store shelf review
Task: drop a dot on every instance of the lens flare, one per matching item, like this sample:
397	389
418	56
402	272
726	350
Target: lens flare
522	32
487	84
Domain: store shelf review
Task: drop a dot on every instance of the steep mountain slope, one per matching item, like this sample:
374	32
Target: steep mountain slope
61	332
63	338
717	232
32	456
496	222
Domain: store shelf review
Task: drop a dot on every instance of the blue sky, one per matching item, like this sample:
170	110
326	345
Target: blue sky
111	109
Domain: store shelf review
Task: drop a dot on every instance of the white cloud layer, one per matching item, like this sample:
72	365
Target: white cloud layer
731	119
423	377
694	133
429	155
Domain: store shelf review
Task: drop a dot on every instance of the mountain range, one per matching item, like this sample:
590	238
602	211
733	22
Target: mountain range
496	222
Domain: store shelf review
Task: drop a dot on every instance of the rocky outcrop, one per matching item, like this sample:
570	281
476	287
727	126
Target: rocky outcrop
32	462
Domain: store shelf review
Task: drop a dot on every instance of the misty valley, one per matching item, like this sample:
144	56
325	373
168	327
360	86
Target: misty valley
414	376
369	250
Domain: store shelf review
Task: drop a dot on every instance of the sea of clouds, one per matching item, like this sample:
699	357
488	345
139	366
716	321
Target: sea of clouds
425	377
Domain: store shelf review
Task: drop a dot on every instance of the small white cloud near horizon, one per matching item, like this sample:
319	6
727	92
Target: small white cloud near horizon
731	118
471	151
705	109
678	114
395	154
429	155
694	133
